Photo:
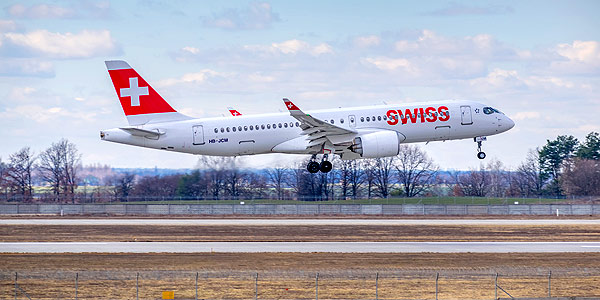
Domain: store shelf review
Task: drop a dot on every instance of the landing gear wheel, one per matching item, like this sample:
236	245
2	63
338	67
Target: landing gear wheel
481	155
326	166
313	167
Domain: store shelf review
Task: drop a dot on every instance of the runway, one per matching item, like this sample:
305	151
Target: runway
296	222
299	247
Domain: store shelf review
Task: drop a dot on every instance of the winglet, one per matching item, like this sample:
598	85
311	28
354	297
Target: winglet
234	112
292	107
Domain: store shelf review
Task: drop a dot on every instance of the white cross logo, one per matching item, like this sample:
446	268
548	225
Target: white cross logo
235	113
290	105
134	91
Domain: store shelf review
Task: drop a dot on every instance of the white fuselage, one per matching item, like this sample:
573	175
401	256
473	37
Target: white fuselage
279	132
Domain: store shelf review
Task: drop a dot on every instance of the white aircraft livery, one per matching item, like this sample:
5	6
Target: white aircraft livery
351	133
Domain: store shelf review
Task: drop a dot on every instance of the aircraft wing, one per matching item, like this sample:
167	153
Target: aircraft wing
320	133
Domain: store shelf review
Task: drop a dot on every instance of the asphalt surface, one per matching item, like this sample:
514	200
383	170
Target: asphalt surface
283	222
300	247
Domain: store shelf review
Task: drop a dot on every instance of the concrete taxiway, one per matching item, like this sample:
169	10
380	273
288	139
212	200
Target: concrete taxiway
299	247
295	222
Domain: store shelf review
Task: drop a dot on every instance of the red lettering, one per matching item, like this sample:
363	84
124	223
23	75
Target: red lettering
392	117
430	113
443	111
422	114
409	114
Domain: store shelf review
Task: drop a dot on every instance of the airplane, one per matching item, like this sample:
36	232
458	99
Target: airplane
351	133
234	112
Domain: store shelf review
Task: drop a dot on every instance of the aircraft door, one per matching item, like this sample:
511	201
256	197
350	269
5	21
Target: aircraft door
198	134
352	121
465	115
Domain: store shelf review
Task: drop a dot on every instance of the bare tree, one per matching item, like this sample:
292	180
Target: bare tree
276	178
528	179
382	169
581	177
58	167
368	165
475	182
3	170
356	177
122	185
18	173
415	170
498	180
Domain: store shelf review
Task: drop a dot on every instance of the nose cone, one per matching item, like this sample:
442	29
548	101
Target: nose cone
509	123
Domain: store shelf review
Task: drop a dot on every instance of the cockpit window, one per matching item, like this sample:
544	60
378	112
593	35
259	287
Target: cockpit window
490	110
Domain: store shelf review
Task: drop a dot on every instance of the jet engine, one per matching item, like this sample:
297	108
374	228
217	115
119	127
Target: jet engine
376	144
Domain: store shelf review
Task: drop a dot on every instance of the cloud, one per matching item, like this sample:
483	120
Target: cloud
523	115
194	78
367	41
390	64
258	15
7	25
26	67
456	9
292	47
579	57
43	43
81	9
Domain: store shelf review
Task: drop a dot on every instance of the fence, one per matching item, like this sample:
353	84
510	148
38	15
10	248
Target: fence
346	284
300	209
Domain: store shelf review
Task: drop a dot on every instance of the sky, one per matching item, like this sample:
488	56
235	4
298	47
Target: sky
536	61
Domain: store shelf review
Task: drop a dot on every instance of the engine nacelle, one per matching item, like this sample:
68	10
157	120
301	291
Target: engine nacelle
377	144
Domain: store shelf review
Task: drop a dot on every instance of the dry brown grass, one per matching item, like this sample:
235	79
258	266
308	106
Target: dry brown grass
375	233
291	275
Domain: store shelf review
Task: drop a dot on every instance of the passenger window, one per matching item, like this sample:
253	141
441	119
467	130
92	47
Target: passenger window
233	129
239	128
362	119
216	130
297	124
262	126
245	128
222	129
332	121
378	118
227	129
342	120
368	119
285	125
268	126
279	125
291	124
251	127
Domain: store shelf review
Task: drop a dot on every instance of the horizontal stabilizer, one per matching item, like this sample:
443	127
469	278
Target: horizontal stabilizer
142	132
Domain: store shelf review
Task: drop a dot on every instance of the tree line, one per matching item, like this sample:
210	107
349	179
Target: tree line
562	167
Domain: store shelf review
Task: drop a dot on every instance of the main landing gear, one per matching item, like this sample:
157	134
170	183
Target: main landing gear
313	166
479	140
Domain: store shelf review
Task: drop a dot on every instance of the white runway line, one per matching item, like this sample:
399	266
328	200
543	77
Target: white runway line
295	222
300	247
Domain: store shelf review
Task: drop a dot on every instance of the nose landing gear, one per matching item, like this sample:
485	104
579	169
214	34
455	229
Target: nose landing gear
479	140
325	166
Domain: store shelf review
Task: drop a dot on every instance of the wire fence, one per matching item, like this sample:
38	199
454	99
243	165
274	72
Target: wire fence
346	284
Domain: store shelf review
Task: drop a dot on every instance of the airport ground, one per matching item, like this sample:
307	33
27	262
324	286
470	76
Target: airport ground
291	275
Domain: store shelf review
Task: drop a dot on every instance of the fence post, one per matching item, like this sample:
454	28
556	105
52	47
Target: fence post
549	283
196	286
377	286
137	286
76	284
256	286
317	286
496	287
437	276
16	284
